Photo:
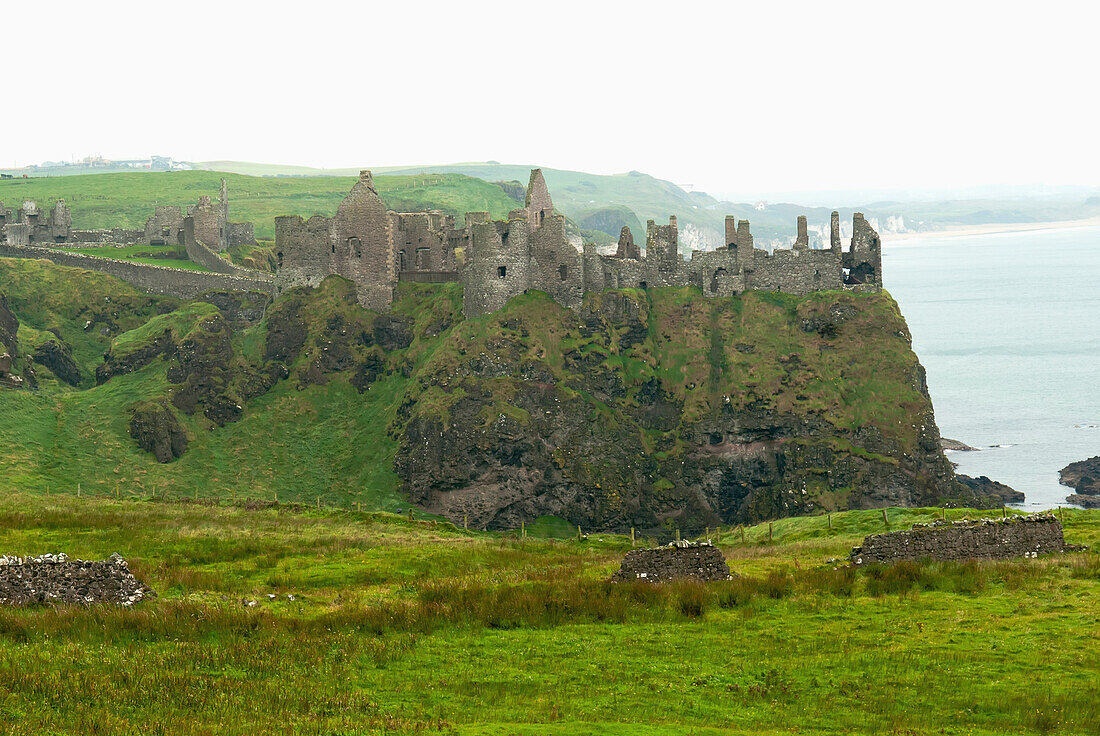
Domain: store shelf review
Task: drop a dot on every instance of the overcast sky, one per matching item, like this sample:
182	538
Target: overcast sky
727	97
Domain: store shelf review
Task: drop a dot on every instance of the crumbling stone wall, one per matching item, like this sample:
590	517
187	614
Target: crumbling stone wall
1018	536
177	282
57	579
165	227
375	249
677	561
198	252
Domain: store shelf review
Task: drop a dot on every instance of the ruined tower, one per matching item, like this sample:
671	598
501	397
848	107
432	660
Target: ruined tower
627	247
538	203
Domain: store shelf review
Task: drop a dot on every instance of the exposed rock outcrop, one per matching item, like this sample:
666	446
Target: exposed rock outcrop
57	579
641	407
1083	477
677	561
58	357
157	430
9	329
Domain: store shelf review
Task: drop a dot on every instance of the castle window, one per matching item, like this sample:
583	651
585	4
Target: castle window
642	285
355	246
401	260
334	247
563	271
502	271
279	258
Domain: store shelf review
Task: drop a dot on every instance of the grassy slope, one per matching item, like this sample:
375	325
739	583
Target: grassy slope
126	200
333	442
399	627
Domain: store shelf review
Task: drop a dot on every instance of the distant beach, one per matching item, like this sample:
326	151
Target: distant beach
991	228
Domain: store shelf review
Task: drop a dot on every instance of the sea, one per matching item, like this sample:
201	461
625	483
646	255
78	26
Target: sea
1008	327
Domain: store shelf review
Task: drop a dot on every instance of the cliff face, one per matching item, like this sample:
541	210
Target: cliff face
662	407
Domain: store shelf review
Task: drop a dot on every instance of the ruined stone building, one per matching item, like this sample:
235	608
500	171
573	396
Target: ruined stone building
209	223
369	245
27	224
501	259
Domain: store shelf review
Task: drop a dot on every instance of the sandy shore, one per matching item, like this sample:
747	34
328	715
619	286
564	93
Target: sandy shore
1007	227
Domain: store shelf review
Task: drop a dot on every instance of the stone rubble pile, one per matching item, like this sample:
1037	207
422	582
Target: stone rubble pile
55	578
676	561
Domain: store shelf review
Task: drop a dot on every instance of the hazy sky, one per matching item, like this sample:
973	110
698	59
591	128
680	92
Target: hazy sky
727	97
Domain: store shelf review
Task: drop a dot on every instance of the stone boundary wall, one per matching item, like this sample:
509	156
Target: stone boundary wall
57	579
674	562
986	539
176	282
112	236
203	255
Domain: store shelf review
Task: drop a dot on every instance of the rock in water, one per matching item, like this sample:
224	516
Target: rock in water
674	562
990	493
157	430
1083	477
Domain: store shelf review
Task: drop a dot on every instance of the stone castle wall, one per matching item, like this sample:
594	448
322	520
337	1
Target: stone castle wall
1021	536
176	282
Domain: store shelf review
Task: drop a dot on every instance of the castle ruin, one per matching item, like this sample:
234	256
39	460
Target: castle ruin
501	259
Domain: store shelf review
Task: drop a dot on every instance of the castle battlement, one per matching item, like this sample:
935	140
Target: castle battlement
376	248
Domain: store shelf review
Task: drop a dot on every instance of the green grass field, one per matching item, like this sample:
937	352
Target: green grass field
127	200
412	627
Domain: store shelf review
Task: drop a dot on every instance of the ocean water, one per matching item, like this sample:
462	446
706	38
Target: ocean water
1008	327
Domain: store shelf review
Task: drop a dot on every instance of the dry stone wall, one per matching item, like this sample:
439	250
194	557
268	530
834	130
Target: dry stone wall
677	561
989	539
57	579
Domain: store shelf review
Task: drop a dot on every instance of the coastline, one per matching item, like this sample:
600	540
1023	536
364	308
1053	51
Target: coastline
990	229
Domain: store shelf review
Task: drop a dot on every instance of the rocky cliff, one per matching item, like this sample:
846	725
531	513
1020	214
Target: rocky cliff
664	407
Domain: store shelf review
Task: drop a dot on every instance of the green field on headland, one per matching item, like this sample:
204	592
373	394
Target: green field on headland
419	627
127	200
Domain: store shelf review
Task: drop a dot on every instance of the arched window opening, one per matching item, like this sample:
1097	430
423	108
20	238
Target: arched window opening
563	271
502	271
355	246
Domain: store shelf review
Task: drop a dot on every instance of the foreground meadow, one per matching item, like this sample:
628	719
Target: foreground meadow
370	623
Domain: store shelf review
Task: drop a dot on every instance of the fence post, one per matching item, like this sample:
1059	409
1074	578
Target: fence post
769	531
1004	511
1061	520
742	528
465	521
523	529
885	519
318	502
830	522
410	513
677	534
578	532
276	496
718	535
357	507
631	536
78	490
